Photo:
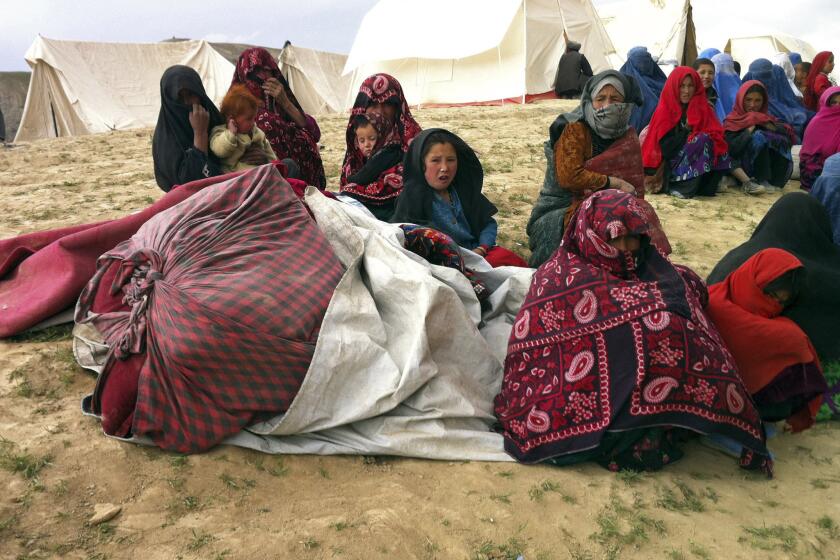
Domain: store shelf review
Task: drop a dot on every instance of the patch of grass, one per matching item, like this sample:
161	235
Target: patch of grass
827	525
686	500
505	474
324	473
675	554
342	525
488	550
819	483
237	484
25	464
538	491
179	461
7	523
310	544
430	549
698	550
49	334
278	468
502	498
769	538
176	483
199	540
629	477
711	494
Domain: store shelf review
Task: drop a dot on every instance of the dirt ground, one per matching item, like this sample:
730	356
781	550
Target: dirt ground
56	467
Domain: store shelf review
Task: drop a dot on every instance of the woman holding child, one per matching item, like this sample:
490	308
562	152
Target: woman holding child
290	132
378	134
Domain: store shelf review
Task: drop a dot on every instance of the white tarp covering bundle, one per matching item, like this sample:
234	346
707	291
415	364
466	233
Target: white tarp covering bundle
747	49
665	27
316	78
83	87
406	362
480	51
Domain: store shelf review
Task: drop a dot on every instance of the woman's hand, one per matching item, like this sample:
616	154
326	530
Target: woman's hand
199	118
254	156
275	89
481	251
622	185
751	129
231	126
199	121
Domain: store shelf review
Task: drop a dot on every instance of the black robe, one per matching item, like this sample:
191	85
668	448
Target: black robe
176	160
799	224
572	72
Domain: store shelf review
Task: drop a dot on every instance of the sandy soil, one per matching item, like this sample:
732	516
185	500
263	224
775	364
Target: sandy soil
55	466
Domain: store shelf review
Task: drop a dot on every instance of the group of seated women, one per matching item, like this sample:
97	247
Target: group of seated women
617	355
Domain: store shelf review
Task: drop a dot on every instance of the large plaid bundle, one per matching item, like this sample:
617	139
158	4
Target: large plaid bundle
214	307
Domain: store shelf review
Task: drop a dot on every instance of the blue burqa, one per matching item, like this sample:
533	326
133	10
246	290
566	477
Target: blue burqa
826	189
795	58
651	79
727	84
783	103
708	53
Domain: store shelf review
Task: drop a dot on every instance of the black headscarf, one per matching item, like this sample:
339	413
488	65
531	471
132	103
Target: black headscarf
632	94
414	204
799	224
173	133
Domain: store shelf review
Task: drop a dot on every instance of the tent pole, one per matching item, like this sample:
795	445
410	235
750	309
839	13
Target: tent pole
525	50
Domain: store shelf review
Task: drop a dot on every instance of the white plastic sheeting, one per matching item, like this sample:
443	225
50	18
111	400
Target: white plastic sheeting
482	50
665	27
83	87
747	49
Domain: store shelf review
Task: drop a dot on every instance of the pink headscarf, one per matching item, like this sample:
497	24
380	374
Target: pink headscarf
822	137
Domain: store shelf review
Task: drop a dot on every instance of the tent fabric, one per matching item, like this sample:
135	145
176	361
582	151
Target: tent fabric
223	297
747	49
316	78
83	87
406	362
665	27
510	51
43	273
13	88
800	225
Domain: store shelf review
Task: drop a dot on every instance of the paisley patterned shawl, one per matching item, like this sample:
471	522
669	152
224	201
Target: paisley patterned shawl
287	139
379	88
605	344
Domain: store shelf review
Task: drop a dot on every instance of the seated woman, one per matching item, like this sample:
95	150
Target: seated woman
758	143
684	150
230	141
777	362
706	70
292	133
826	189
180	145
380	182
727	84
818	80
784	105
650	78
593	147
442	190
822	138
612	358
800	225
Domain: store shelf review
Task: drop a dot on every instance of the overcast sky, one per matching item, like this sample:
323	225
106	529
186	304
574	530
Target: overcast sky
331	24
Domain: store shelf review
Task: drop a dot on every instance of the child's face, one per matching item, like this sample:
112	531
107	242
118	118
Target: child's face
753	102
707	75
366	137
440	166
801	74
245	122
829	65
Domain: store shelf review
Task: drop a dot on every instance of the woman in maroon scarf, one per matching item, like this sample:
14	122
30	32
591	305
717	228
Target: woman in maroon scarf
382	172
684	151
758	142
292	133
612	358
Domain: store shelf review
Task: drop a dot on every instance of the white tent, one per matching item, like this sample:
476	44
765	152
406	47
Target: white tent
747	49
665	27
316	78
83	87
482	50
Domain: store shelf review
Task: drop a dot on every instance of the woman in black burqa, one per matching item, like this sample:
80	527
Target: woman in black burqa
800	225
180	144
